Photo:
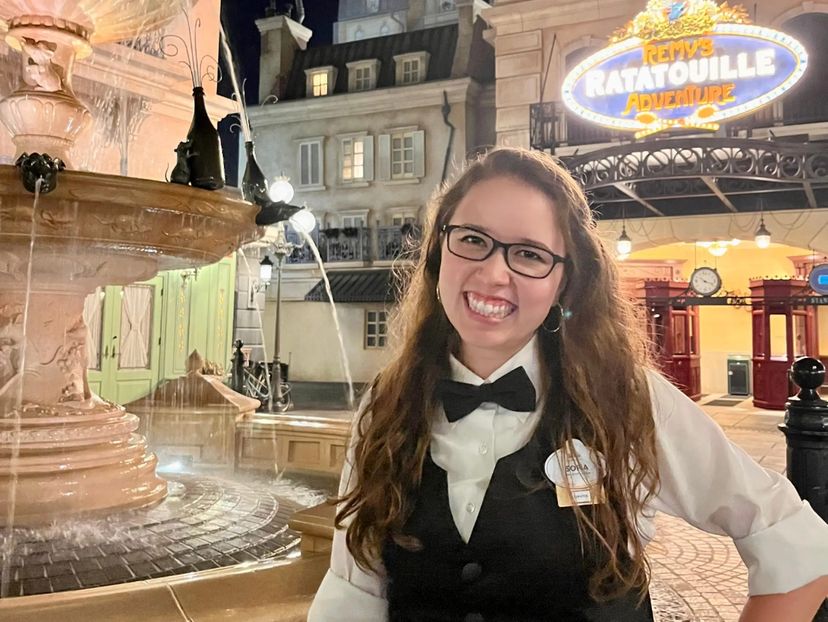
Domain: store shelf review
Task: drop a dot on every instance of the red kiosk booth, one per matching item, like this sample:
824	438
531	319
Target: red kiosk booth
674	330
775	316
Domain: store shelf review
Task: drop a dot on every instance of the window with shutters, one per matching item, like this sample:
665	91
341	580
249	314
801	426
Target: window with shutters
411	68
401	155
356	158
310	163
376	329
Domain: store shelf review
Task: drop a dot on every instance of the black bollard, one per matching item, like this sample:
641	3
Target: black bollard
237	368
806	431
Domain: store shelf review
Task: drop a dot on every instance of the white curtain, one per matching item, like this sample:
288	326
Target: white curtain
136	327
92	308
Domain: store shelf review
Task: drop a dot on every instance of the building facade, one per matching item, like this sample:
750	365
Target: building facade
366	129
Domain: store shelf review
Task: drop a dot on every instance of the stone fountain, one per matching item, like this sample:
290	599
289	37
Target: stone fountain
63	450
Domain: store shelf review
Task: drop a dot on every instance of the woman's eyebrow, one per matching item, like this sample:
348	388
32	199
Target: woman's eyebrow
528	241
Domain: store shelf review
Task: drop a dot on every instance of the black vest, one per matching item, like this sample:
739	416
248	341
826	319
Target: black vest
523	561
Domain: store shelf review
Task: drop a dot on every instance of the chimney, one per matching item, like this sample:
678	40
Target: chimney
415	18
465	32
281	37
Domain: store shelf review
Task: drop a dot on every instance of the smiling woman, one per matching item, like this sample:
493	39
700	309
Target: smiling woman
509	459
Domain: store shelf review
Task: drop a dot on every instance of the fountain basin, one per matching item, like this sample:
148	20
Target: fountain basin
62	450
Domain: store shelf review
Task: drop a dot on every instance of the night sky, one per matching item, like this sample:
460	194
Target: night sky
239	19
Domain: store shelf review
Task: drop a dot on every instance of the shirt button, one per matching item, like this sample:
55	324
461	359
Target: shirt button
483	449
470	572
470	508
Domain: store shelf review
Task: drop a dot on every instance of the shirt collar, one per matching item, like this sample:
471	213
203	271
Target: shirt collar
527	357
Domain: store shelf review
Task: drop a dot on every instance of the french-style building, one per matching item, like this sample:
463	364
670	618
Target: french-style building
366	129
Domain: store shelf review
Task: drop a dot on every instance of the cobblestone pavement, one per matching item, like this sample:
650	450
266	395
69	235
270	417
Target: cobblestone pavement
697	572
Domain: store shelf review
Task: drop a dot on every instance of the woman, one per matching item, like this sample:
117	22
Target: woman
508	461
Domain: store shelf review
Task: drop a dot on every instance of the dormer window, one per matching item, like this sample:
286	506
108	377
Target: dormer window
362	75
320	81
411	68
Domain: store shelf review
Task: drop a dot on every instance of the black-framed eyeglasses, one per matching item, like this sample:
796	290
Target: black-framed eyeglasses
524	259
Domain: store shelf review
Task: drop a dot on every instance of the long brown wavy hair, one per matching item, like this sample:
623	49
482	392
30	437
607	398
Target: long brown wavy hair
594	365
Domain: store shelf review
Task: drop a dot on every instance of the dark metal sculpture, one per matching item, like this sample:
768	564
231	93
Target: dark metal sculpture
181	173
254	184
273	212
37	166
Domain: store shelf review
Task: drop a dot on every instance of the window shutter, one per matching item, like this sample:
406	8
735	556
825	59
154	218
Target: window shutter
368	141
419	153
384	170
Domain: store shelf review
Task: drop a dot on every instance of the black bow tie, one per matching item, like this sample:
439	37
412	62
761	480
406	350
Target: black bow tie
514	391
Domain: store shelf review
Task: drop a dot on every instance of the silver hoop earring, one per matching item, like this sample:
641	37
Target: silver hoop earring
561	314
437	291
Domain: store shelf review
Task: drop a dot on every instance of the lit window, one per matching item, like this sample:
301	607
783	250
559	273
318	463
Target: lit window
320	81
376	329
353	159
320	84
402	155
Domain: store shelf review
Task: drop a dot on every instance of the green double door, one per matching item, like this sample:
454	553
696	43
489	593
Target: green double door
142	334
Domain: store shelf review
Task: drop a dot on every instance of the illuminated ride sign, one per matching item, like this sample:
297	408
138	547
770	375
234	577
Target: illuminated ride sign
687	64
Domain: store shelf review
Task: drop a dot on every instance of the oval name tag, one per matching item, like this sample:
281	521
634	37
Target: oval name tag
573	470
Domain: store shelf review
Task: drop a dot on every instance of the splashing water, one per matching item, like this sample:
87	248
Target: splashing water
8	540
245	125
343	354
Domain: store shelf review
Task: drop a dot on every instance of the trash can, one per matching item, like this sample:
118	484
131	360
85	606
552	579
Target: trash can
738	374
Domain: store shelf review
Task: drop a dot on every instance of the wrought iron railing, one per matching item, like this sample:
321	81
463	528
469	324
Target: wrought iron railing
394	240
148	43
302	253
347	244
550	126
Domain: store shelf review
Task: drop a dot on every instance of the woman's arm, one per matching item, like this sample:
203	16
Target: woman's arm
800	605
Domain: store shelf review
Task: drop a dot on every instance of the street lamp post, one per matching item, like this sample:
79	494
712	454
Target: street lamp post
280	249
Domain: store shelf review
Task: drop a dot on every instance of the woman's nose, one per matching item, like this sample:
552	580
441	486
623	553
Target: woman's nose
495	268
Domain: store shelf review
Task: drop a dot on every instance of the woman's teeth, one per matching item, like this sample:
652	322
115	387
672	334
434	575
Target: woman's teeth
497	310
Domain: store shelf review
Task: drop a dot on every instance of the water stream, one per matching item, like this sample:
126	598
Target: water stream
8	538
346	368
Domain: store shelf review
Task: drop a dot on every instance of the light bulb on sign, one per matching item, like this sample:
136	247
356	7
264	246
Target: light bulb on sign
303	221
280	191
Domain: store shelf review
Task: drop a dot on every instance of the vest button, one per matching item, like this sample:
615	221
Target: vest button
470	572
474	617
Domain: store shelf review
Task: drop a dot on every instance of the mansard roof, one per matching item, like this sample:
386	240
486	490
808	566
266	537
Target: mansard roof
439	42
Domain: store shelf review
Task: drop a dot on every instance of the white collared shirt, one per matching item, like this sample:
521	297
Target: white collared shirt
705	479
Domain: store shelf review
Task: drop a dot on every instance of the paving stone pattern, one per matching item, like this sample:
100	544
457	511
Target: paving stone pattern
203	523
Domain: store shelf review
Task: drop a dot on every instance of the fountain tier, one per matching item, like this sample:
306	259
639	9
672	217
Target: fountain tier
72	452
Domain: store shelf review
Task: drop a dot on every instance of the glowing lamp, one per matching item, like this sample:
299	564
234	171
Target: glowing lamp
624	244
762	236
266	269
303	221
280	191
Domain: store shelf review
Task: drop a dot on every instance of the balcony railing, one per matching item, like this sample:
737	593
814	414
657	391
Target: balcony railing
550	126
394	240
354	244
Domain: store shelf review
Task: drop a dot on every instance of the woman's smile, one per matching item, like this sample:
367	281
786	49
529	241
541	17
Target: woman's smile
490	308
